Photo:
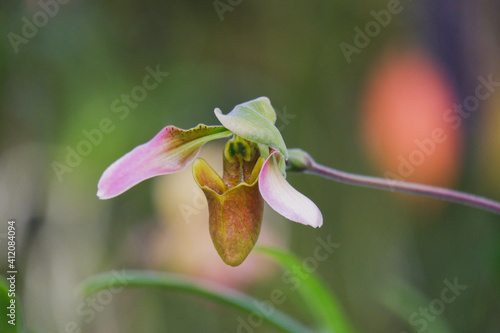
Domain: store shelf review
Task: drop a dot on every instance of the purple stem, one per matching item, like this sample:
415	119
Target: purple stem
402	186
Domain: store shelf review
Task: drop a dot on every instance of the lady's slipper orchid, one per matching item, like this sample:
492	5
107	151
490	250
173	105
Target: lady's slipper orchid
253	171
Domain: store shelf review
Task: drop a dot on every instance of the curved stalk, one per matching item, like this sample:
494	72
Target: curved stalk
406	187
195	286
301	161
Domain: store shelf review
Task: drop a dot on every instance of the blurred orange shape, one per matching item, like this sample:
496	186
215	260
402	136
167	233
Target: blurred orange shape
405	121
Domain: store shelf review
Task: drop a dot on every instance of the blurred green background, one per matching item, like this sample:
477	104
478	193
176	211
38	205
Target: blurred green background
59	81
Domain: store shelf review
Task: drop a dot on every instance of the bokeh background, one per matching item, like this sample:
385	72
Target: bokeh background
360	100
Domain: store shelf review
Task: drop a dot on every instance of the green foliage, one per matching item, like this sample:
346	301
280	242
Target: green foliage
319	300
190	285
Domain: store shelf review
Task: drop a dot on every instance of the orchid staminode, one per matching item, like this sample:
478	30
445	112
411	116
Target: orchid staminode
253	172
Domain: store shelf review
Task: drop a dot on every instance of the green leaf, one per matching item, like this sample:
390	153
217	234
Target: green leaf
196	286
254	122
404	300
319	300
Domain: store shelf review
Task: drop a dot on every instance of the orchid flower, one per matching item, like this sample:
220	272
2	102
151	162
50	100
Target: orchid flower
254	163
253	172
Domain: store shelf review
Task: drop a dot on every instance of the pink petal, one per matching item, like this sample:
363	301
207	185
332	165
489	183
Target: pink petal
169	151
283	198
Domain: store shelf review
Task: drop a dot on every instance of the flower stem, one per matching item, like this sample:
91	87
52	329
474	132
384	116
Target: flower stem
307	164
406	187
